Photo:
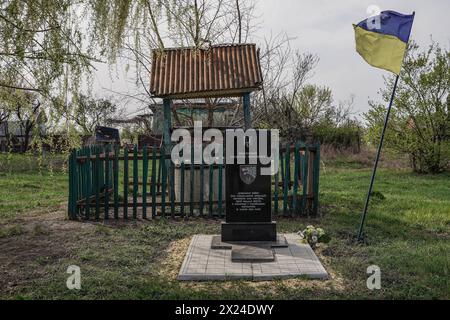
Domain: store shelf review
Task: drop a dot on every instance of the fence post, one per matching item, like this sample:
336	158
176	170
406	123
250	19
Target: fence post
125	183
172	187
305	162
296	172
163	181
87	175
69	202
82	179
202	185
72	194
316	179
192	184
182	177
286	179
211	189
135	180
97	182
153	186
106	197
144	182
116	181
220	190
277	175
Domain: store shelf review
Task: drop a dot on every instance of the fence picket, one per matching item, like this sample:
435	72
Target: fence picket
153	186
211	190
305	162
316	170
88	184
182	177
106	198
163	182
144	182
202	186
135	181
220	190
296	173
125	183
116	182
97	183
192	177
172	188
286	179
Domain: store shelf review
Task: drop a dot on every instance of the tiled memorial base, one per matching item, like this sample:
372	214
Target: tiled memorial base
203	263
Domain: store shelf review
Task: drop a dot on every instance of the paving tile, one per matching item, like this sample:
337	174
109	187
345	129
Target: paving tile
203	264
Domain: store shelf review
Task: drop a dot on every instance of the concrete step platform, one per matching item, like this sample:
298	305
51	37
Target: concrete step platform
217	243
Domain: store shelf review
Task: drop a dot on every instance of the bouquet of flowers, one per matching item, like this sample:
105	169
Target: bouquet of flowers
313	236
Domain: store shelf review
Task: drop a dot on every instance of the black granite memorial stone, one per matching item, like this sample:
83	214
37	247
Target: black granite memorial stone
248	199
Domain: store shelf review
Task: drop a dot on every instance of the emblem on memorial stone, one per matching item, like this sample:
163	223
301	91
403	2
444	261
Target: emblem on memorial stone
247	173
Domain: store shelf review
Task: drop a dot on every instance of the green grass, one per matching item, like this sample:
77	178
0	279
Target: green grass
407	236
25	191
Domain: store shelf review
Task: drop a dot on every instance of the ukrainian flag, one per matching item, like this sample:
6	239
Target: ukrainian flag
382	40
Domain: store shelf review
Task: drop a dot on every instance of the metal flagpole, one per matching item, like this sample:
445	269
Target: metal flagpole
366	205
376	160
363	217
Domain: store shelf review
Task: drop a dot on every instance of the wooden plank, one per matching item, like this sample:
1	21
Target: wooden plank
162	162
153	186
316	171
311	173
192	184
277	186
87	211
125	185
304	162
167	124
116	182
70	209
211	190
172	188
107	186
159	173
144	185
286	179
135	179
296	171
220	190
182	180
69	202
82	202
97	183
202	186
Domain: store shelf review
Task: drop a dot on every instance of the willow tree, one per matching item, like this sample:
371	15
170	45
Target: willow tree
41	52
47	46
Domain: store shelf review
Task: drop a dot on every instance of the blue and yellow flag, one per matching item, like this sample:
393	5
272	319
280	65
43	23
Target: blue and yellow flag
382	40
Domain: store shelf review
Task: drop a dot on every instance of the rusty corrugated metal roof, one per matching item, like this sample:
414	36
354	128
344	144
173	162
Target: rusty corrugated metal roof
219	70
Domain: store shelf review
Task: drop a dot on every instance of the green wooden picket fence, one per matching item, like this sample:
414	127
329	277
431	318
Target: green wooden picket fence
111	182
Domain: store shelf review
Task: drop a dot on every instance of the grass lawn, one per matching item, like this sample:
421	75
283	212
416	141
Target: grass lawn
408	233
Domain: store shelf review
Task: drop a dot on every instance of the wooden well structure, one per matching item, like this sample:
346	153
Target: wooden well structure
193	73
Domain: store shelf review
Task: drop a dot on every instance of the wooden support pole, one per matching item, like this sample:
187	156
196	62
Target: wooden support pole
166	169
247	113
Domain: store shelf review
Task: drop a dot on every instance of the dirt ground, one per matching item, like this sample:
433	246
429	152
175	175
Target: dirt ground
36	240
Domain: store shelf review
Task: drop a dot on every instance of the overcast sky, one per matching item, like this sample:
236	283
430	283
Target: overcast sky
325	27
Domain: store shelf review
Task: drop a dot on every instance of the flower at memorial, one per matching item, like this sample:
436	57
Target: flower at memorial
313	236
